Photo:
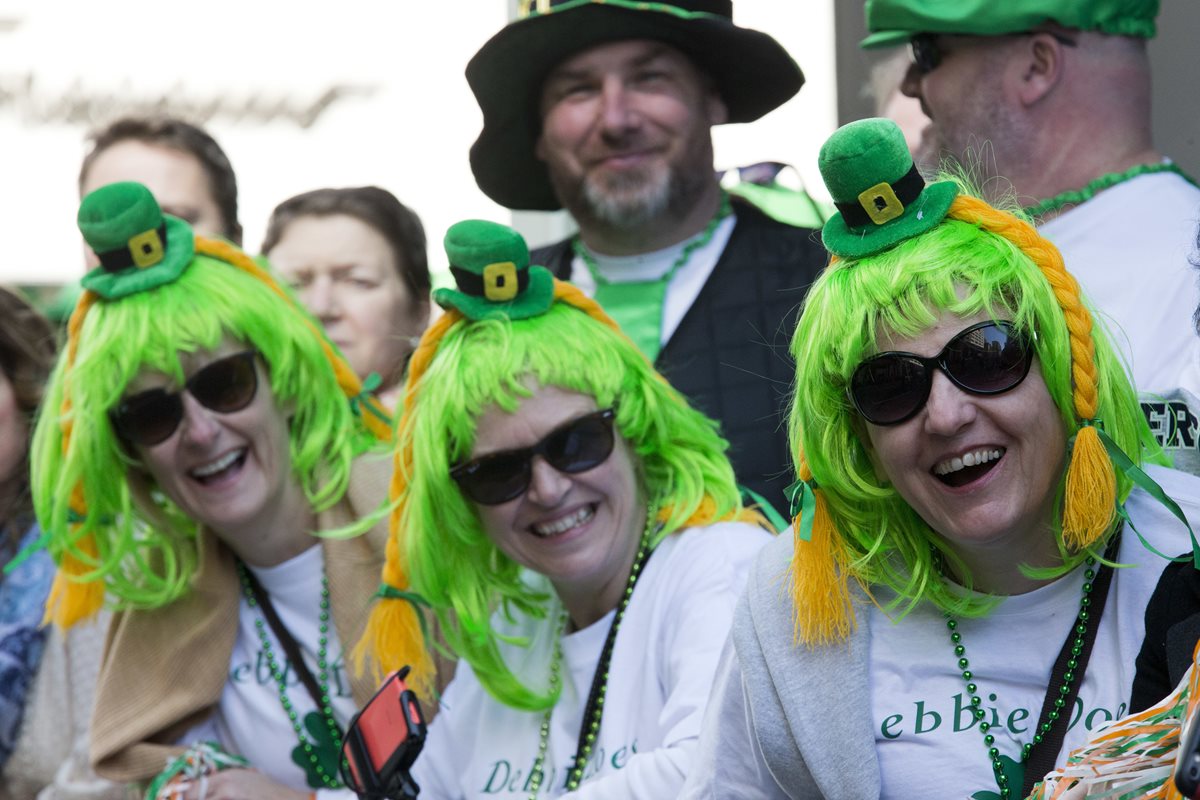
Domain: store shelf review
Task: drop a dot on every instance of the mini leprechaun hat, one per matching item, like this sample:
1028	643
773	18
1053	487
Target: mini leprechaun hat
490	265
139	246
880	196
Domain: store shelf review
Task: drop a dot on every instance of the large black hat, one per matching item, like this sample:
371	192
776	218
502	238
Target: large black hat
752	73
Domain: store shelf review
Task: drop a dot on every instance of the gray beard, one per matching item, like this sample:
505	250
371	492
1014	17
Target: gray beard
630	201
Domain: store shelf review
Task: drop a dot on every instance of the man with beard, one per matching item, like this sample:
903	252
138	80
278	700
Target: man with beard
1053	97
605	108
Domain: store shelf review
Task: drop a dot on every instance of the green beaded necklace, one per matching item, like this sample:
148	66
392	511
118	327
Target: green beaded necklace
594	709
1107	181
1077	638
637	306
325	706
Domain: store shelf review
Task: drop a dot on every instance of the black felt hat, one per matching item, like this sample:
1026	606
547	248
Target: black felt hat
752	73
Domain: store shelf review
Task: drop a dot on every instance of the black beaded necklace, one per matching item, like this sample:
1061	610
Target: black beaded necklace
1063	685
593	710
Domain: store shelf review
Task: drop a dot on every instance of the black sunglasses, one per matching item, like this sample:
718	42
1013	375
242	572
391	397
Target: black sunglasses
927	54
225	385
987	358
575	446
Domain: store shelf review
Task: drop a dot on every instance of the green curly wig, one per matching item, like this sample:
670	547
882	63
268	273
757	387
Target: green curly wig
453	564
142	549
964	267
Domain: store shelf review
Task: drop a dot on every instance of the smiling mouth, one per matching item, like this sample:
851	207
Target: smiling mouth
969	467
561	525
219	468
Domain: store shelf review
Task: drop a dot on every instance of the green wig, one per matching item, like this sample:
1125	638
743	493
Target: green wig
137	545
978	260
462	367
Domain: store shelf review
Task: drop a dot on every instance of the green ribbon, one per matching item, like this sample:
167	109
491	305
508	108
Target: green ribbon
633	5
802	500
365	400
1150	487
388	592
753	498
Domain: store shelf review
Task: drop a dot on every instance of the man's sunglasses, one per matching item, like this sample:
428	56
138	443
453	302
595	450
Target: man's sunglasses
927	54
987	358
576	446
224	386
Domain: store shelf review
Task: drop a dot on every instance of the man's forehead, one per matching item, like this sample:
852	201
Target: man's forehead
624	52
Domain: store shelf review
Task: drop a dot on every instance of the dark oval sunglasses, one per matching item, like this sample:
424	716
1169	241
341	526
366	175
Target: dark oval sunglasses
927	54
986	358
224	386
573	447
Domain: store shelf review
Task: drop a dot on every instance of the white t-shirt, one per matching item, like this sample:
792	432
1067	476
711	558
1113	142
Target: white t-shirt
660	677
924	729
683	289
1129	248
250	719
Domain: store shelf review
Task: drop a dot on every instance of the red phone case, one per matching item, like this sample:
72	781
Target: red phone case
385	736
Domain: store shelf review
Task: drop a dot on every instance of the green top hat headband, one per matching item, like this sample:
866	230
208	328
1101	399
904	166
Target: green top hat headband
893	22
139	246
880	196
490	265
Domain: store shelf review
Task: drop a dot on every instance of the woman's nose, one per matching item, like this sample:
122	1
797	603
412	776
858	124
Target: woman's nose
547	486
198	424
948	409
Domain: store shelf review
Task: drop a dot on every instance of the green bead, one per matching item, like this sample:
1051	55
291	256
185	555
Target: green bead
956	637
989	740
1089	574
1072	663
994	753
1083	615
967	675
980	713
1081	630
959	650
976	701
985	726
1059	702
951	624
963	663
1068	676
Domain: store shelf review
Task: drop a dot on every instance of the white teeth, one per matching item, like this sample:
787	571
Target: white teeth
565	524
212	468
971	459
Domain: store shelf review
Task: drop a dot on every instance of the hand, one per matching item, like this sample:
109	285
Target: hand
243	784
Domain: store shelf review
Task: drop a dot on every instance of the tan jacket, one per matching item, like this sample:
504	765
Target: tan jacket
164	669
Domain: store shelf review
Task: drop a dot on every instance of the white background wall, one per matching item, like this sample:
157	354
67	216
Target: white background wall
66	65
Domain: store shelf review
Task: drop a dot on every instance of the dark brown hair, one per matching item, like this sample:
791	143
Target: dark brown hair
186	138
380	209
27	347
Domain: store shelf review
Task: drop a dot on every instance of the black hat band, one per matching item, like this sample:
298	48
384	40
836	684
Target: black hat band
144	250
499	282
883	201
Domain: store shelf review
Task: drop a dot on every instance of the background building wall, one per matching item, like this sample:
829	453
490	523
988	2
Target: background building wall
303	96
